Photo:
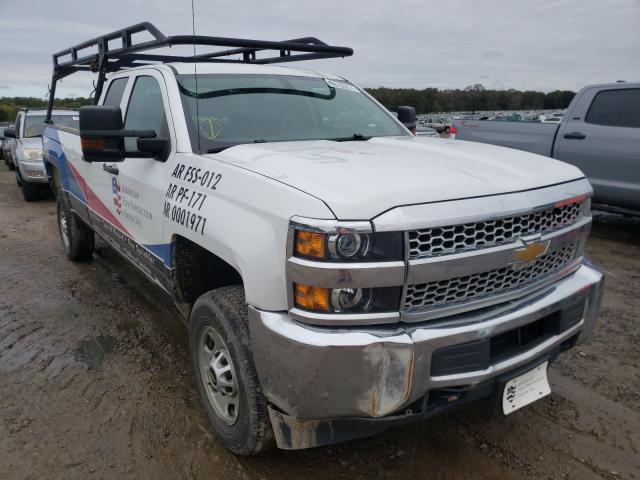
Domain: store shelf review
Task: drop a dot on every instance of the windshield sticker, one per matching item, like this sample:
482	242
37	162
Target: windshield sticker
341	85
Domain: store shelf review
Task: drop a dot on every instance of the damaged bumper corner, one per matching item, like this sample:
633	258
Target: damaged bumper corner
329	384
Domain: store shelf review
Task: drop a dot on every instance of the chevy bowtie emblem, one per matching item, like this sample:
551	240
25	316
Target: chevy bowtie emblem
532	250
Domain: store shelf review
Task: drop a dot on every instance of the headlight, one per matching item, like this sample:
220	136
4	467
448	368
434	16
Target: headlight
348	246
324	248
346	300
33	154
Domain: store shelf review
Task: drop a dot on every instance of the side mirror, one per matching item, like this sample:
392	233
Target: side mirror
158	147
10	132
407	115
102	136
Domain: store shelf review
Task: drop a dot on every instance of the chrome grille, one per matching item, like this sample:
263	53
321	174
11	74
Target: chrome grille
478	285
472	236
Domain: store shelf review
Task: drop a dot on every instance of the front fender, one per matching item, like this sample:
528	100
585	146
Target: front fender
247	219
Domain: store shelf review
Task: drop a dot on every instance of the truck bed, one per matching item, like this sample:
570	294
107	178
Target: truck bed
529	136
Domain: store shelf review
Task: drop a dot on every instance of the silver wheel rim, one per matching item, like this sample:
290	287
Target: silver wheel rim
64	228
218	375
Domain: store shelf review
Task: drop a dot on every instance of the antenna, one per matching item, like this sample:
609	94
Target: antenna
195	68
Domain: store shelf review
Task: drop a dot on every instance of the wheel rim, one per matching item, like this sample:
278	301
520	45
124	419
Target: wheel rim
218	375
64	227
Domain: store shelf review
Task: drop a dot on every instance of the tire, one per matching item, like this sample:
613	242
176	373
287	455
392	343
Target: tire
77	239
10	164
232	397
446	129
30	192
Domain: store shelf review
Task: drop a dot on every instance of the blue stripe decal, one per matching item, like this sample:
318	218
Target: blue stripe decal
55	154
162	251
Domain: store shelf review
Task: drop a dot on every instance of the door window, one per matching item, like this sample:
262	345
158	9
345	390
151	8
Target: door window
114	94
18	125
618	108
145	110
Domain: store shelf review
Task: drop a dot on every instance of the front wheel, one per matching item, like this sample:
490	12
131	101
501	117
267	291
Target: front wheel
78	240
225	371
30	192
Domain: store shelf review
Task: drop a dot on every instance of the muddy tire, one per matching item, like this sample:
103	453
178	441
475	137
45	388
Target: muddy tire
78	240
225	371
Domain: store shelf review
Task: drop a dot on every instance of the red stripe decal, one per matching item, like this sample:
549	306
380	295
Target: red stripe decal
95	204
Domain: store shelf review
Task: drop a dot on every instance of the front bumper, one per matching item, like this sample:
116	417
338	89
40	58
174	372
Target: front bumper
312	374
32	172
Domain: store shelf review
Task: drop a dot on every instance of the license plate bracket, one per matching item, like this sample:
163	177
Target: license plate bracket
525	389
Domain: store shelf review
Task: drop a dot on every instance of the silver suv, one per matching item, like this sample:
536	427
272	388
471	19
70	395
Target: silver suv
26	148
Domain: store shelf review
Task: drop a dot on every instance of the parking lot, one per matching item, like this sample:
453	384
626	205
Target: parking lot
95	382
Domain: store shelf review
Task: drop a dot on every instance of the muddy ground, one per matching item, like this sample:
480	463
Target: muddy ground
95	382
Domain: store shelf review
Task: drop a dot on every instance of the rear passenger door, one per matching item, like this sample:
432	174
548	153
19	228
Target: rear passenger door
602	138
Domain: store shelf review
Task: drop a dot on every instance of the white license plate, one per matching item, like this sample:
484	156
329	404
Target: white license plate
525	389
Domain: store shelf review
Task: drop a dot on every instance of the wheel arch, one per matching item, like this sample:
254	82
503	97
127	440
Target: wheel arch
197	270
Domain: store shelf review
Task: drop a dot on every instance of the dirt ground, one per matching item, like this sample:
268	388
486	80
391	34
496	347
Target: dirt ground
95	382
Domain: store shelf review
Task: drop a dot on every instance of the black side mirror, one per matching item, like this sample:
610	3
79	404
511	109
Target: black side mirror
158	147
10	132
102	136
407	115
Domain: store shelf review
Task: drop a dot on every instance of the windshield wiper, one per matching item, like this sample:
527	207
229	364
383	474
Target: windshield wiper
219	149
356	137
224	147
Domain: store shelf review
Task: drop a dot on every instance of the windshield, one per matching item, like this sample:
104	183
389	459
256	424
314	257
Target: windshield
34	124
235	109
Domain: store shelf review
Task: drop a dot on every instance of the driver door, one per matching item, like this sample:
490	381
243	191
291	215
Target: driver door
132	191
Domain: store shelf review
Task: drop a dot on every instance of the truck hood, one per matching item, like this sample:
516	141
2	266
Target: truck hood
361	179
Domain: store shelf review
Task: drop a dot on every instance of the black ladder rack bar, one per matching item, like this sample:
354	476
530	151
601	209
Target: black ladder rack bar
127	54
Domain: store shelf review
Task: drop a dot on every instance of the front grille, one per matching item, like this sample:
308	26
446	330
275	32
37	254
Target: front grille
478	285
471	236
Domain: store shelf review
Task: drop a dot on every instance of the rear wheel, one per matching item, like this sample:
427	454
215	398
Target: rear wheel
77	239
225	372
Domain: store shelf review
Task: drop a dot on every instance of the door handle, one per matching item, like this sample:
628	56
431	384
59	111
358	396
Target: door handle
110	168
575	136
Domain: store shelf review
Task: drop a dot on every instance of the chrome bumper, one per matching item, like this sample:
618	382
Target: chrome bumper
311	372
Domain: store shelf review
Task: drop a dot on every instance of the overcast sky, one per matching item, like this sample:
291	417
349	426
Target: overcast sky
524	44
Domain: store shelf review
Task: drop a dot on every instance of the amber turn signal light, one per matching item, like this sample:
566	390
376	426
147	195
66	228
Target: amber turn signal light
311	298
93	143
309	244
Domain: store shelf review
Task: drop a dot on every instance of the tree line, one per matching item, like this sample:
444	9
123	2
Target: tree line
472	98
9	106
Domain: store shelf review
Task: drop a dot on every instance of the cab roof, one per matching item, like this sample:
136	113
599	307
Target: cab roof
239	68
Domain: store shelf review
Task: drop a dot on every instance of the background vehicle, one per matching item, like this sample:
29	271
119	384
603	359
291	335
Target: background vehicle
26	148
339	275
6	146
422	131
599	133
554	118
439	124
2	127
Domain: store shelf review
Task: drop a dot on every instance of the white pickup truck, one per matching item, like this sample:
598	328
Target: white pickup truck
338	274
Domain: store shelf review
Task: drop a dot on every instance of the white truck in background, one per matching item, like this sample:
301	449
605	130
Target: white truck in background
338	274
